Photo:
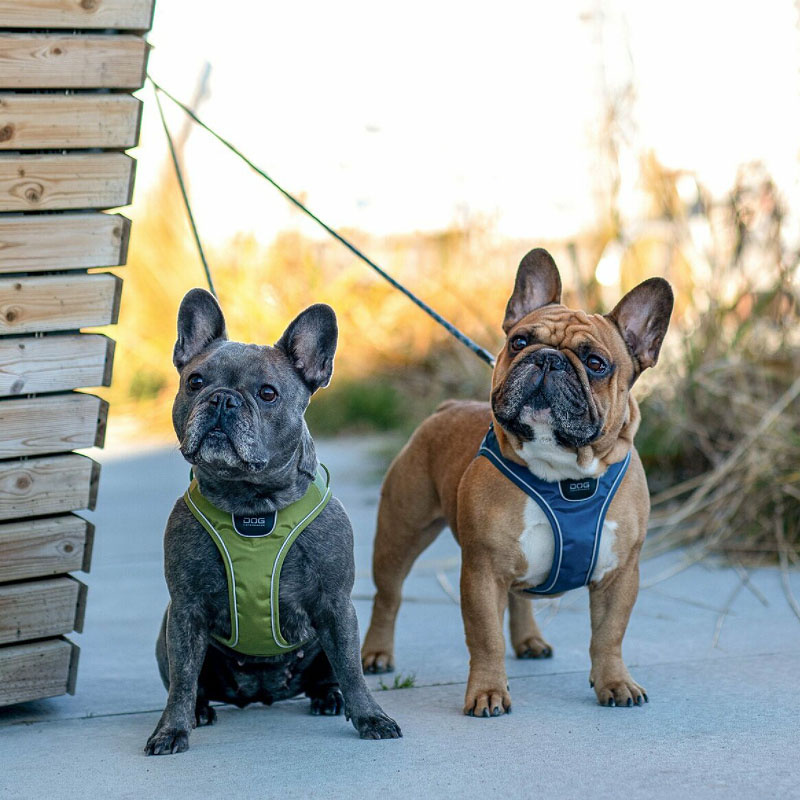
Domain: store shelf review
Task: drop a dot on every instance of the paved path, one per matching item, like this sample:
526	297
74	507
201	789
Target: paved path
720	660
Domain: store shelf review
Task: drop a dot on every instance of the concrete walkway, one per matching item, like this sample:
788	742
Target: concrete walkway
720	658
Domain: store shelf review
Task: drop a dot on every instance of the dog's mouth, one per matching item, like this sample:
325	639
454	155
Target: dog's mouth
217	450
532	396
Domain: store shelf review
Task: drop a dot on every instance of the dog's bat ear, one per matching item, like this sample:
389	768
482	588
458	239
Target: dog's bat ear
200	322
642	317
538	284
310	343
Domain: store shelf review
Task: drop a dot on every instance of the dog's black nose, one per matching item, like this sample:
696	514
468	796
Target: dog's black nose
225	399
550	358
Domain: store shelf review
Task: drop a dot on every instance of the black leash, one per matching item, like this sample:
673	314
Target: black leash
479	351
184	193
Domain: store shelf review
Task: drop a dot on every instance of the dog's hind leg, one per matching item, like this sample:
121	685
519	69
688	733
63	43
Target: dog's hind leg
526	638
408	521
322	688
203	713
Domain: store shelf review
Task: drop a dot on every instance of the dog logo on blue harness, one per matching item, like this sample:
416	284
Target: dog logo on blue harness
578	490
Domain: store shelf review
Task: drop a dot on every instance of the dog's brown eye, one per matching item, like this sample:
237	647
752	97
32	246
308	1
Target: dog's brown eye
195	381
267	393
596	364
519	343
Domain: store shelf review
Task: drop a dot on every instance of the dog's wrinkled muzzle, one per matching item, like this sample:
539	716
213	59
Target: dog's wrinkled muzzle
545	380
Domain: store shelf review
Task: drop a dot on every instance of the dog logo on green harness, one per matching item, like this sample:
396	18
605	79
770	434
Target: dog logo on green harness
253	549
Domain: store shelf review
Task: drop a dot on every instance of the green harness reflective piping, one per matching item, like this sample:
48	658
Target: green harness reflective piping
253	549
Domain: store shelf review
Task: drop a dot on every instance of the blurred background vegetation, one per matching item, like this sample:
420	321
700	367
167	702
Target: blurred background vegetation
721	423
720	435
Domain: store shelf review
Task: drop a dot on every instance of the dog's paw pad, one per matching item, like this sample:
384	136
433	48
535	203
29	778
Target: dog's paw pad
167	741
377	663
329	705
533	647
377	726
622	693
490	703
205	715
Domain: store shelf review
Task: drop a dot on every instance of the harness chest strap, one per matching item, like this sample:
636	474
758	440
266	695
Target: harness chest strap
575	509
253	549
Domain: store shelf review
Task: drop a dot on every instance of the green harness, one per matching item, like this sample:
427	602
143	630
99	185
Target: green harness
253	549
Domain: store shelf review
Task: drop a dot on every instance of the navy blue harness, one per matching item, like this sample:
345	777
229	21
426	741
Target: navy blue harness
576	510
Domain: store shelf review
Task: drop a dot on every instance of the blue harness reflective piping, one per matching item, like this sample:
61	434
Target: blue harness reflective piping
576	510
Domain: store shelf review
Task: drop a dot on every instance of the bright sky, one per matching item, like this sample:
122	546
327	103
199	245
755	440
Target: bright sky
394	117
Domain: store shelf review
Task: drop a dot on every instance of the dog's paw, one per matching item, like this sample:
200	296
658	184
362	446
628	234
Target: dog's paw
330	704
166	741
377	726
622	691
204	715
533	647
377	663
487	702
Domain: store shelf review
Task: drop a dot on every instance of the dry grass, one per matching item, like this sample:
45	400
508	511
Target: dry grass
720	435
721	430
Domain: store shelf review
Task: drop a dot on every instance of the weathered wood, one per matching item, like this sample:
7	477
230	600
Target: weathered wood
119	14
58	302
32	426
35	243
48	485
64	182
58	61
54	363
37	669
35	548
37	609
62	121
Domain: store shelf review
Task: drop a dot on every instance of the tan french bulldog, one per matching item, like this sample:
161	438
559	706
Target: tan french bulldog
561	413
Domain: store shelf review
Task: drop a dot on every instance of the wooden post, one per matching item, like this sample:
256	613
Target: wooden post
68	67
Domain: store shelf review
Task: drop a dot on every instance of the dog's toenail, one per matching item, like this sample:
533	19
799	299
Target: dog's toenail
485	712
497	711
630	702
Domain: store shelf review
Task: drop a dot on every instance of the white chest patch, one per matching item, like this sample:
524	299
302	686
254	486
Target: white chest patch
550	462
547	460
538	546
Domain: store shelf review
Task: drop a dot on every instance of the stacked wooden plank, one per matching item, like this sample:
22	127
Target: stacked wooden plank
67	68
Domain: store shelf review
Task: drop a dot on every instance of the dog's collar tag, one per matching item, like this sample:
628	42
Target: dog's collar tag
254	524
577	490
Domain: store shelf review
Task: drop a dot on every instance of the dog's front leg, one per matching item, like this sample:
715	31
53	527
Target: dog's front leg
483	602
611	602
187	641
337	628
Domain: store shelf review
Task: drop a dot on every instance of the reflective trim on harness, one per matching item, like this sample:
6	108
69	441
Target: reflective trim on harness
273	581
209	527
577	524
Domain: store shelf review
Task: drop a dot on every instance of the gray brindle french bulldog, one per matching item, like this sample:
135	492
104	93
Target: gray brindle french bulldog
239	418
